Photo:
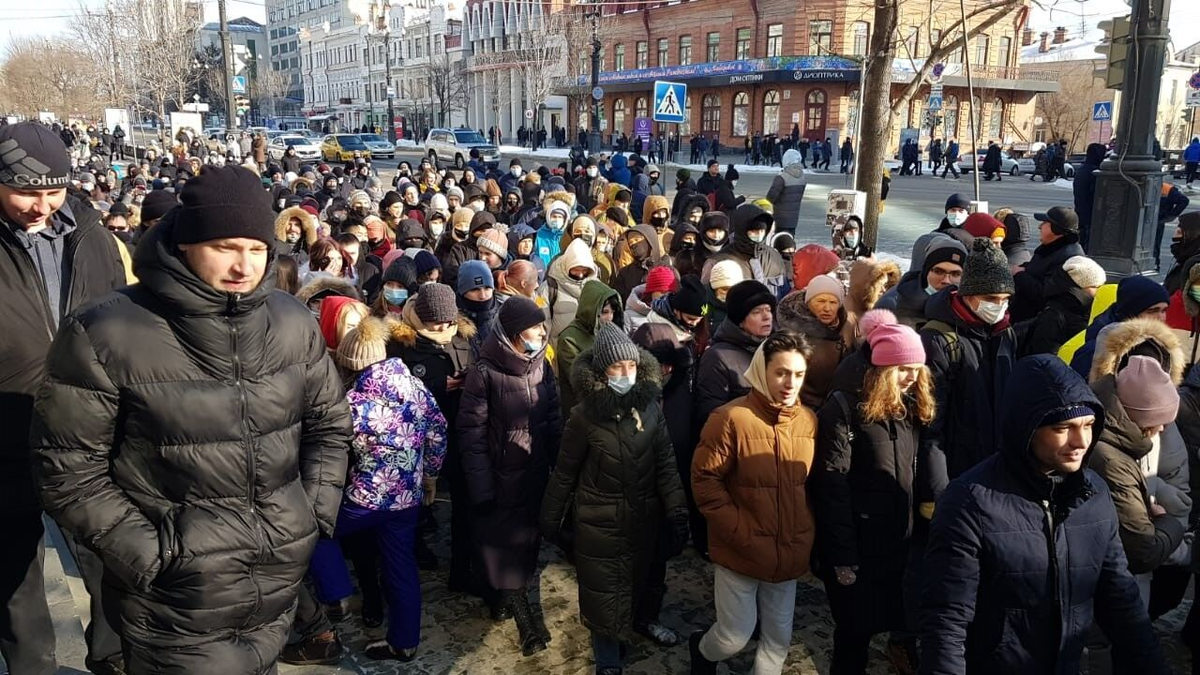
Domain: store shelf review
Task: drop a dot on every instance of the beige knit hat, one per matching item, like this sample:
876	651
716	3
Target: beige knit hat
364	346
725	274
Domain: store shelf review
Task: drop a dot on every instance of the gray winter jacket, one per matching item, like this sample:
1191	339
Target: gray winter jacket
785	195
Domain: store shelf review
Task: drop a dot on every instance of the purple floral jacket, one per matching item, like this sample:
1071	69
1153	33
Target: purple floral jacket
399	437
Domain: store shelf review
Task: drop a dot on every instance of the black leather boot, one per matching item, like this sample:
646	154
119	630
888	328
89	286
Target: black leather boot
531	640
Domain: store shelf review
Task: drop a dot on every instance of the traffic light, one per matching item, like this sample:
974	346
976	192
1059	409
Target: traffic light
1115	48
242	103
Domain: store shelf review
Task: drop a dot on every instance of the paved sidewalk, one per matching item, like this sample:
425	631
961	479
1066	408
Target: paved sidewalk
458	638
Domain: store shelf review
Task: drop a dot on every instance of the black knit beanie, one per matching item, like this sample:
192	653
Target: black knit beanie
32	157
435	303
224	202
690	297
156	203
986	270
518	314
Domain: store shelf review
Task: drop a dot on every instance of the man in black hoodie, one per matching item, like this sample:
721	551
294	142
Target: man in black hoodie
748	247
1084	187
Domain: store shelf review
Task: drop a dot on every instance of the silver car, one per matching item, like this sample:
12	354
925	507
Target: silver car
378	145
1008	165
455	145
1028	166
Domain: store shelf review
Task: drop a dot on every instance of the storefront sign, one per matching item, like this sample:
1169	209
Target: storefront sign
771	69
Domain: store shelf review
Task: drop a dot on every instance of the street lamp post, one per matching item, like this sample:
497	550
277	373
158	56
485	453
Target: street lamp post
383	30
594	131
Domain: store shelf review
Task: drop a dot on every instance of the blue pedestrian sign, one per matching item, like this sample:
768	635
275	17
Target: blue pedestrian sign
239	84
935	102
669	101
1102	112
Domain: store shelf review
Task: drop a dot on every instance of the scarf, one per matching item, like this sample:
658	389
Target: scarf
438	337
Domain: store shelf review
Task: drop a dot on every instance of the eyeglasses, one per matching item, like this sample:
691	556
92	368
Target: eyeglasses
943	272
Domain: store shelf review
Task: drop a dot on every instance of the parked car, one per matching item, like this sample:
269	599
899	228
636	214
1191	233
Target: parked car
378	145
344	148
1027	166
455	145
1008	165
306	148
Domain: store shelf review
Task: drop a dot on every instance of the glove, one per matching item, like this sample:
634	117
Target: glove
926	510
679	531
483	509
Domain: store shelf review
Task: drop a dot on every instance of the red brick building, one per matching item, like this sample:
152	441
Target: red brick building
771	65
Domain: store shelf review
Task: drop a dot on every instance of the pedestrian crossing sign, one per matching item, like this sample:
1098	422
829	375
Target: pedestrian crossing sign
669	100
935	102
1102	112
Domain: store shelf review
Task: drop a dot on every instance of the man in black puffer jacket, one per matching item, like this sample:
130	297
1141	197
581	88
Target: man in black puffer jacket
1023	552
192	431
57	257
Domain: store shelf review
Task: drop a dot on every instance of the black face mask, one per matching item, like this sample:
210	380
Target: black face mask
657	222
413	243
577	277
461	235
124	235
640	250
687	245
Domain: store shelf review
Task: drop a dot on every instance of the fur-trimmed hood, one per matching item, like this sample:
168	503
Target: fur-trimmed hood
327	284
1147	337
869	280
309	225
1193	279
599	402
405	333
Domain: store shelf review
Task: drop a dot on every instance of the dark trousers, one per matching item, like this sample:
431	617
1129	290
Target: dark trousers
103	641
1190	171
951	167
465	565
395	531
851	651
26	631
310	618
649	605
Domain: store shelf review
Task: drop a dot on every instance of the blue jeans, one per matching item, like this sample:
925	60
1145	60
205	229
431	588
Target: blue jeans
606	651
396	533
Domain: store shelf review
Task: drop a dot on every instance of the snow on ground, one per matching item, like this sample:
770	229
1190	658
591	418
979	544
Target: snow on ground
564	153
1063	183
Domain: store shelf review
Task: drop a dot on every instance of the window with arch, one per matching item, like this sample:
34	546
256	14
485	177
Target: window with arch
950	108
641	107
815	105
981	50
915	119
710	113
770	112
741	114
975	119
618	116
996	120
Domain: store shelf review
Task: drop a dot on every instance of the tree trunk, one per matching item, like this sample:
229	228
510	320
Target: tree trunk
876	120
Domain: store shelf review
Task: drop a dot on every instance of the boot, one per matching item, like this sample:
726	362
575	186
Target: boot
499	607
700	665
324	649
531	641
539	622
902	654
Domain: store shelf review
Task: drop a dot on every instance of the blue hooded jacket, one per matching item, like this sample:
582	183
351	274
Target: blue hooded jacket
1020	562
619	173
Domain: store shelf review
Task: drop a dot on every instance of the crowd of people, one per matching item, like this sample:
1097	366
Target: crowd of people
228	387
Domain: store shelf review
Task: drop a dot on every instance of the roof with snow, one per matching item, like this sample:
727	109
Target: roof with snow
1074	49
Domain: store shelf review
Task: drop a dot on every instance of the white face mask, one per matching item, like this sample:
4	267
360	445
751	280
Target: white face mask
436	229
992	312
621	384
956	218
592	172
733	183
516	171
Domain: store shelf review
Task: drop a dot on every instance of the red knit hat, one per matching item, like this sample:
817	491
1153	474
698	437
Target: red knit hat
661	279
980	224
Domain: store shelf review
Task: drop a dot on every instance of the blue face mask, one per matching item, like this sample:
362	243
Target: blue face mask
621	384
851	240
531	346
930	290
395	296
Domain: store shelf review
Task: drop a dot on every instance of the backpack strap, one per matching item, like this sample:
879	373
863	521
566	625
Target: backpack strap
954	347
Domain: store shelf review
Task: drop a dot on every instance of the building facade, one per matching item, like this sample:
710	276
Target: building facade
775	67
285	20
1080	69
518	54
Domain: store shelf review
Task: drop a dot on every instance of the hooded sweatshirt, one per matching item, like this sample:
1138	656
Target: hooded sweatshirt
563	292
548	243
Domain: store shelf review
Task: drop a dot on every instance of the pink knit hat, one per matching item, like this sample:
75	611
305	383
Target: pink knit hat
661	279
892	344
1147	393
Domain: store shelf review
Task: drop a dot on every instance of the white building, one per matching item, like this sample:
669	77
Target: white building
499	93
285	20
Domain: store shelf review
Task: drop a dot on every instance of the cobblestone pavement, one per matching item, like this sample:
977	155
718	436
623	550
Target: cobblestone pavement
458	638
